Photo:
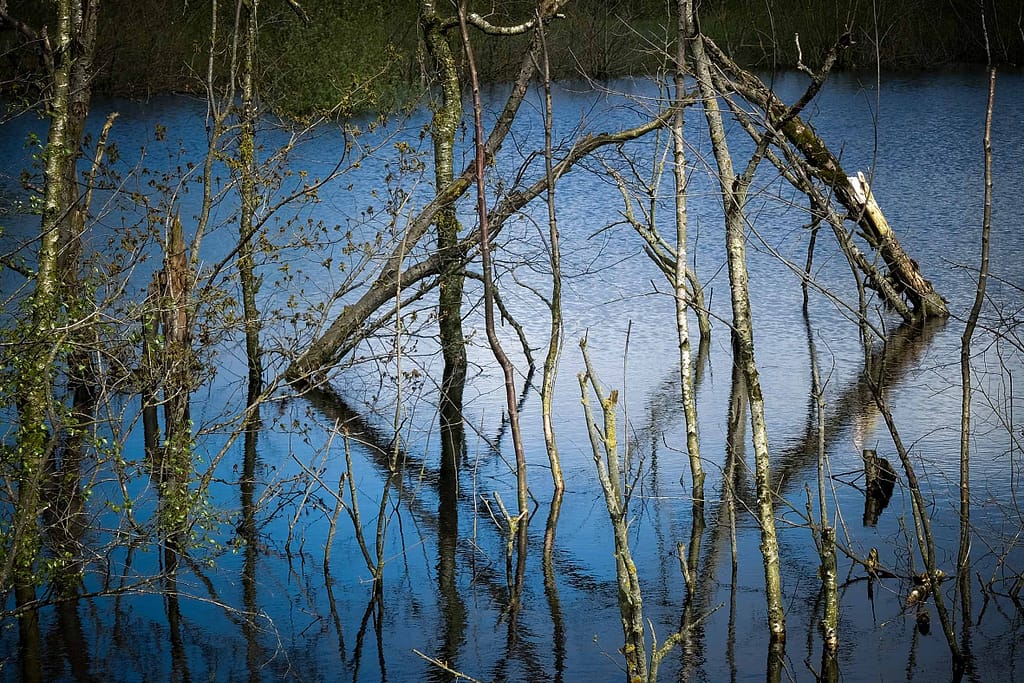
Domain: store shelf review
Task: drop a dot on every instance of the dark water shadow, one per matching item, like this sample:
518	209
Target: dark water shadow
247	531
409	480
886	365
451	607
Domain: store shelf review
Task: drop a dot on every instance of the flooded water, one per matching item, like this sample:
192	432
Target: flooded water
256	600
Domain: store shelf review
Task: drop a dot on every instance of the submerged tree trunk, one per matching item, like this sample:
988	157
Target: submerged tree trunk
604	443
679	284
555	304
446	120
54	302
733	189
963	563
250	282
488	274
175	463
828	570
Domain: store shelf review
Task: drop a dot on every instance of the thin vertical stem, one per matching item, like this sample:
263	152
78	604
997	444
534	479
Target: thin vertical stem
681	297
963	562
485	256
555	257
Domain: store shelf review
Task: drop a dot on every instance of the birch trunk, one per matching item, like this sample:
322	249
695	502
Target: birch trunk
555	304
681	297
733	191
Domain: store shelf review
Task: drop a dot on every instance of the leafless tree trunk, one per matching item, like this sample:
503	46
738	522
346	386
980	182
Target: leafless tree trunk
963	563
733	189
922	525
485	255
555	304
679	284
825	533
605	447
604	442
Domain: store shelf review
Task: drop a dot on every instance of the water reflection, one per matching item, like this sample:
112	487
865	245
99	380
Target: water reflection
853	405
551	587
30	648
254	656
548	612
179	658
452	608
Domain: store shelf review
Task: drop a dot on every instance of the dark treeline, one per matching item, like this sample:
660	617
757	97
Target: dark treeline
364	55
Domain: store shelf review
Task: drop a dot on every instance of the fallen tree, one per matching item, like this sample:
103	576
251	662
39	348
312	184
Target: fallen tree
852	192
782	127
356	320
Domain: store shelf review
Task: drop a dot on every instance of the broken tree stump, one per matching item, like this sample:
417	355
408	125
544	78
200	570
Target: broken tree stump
905	272
850	191
880	481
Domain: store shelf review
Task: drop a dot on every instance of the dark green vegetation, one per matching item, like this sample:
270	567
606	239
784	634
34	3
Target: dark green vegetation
357	56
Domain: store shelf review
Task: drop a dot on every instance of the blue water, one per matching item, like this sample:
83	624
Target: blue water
267	608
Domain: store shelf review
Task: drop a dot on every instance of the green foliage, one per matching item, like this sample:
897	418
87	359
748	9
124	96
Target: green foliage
354	57
350	58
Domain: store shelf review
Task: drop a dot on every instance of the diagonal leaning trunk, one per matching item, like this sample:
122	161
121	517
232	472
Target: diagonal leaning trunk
851	191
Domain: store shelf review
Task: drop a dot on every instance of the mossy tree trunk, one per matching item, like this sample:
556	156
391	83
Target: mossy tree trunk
250	281
733	190
604	444
445	125
54	304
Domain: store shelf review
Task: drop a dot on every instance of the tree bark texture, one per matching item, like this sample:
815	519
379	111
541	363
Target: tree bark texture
682	303
555	335
445	125
175	466
604	443
52	304
733	198
250	282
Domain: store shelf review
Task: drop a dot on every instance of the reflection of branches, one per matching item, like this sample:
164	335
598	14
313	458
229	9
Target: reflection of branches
551	587
922	524
855	403
408	482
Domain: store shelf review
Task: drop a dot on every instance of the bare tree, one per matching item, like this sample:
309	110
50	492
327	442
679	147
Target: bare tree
963	562
733	188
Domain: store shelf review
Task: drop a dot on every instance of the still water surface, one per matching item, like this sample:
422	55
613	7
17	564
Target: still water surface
264	606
